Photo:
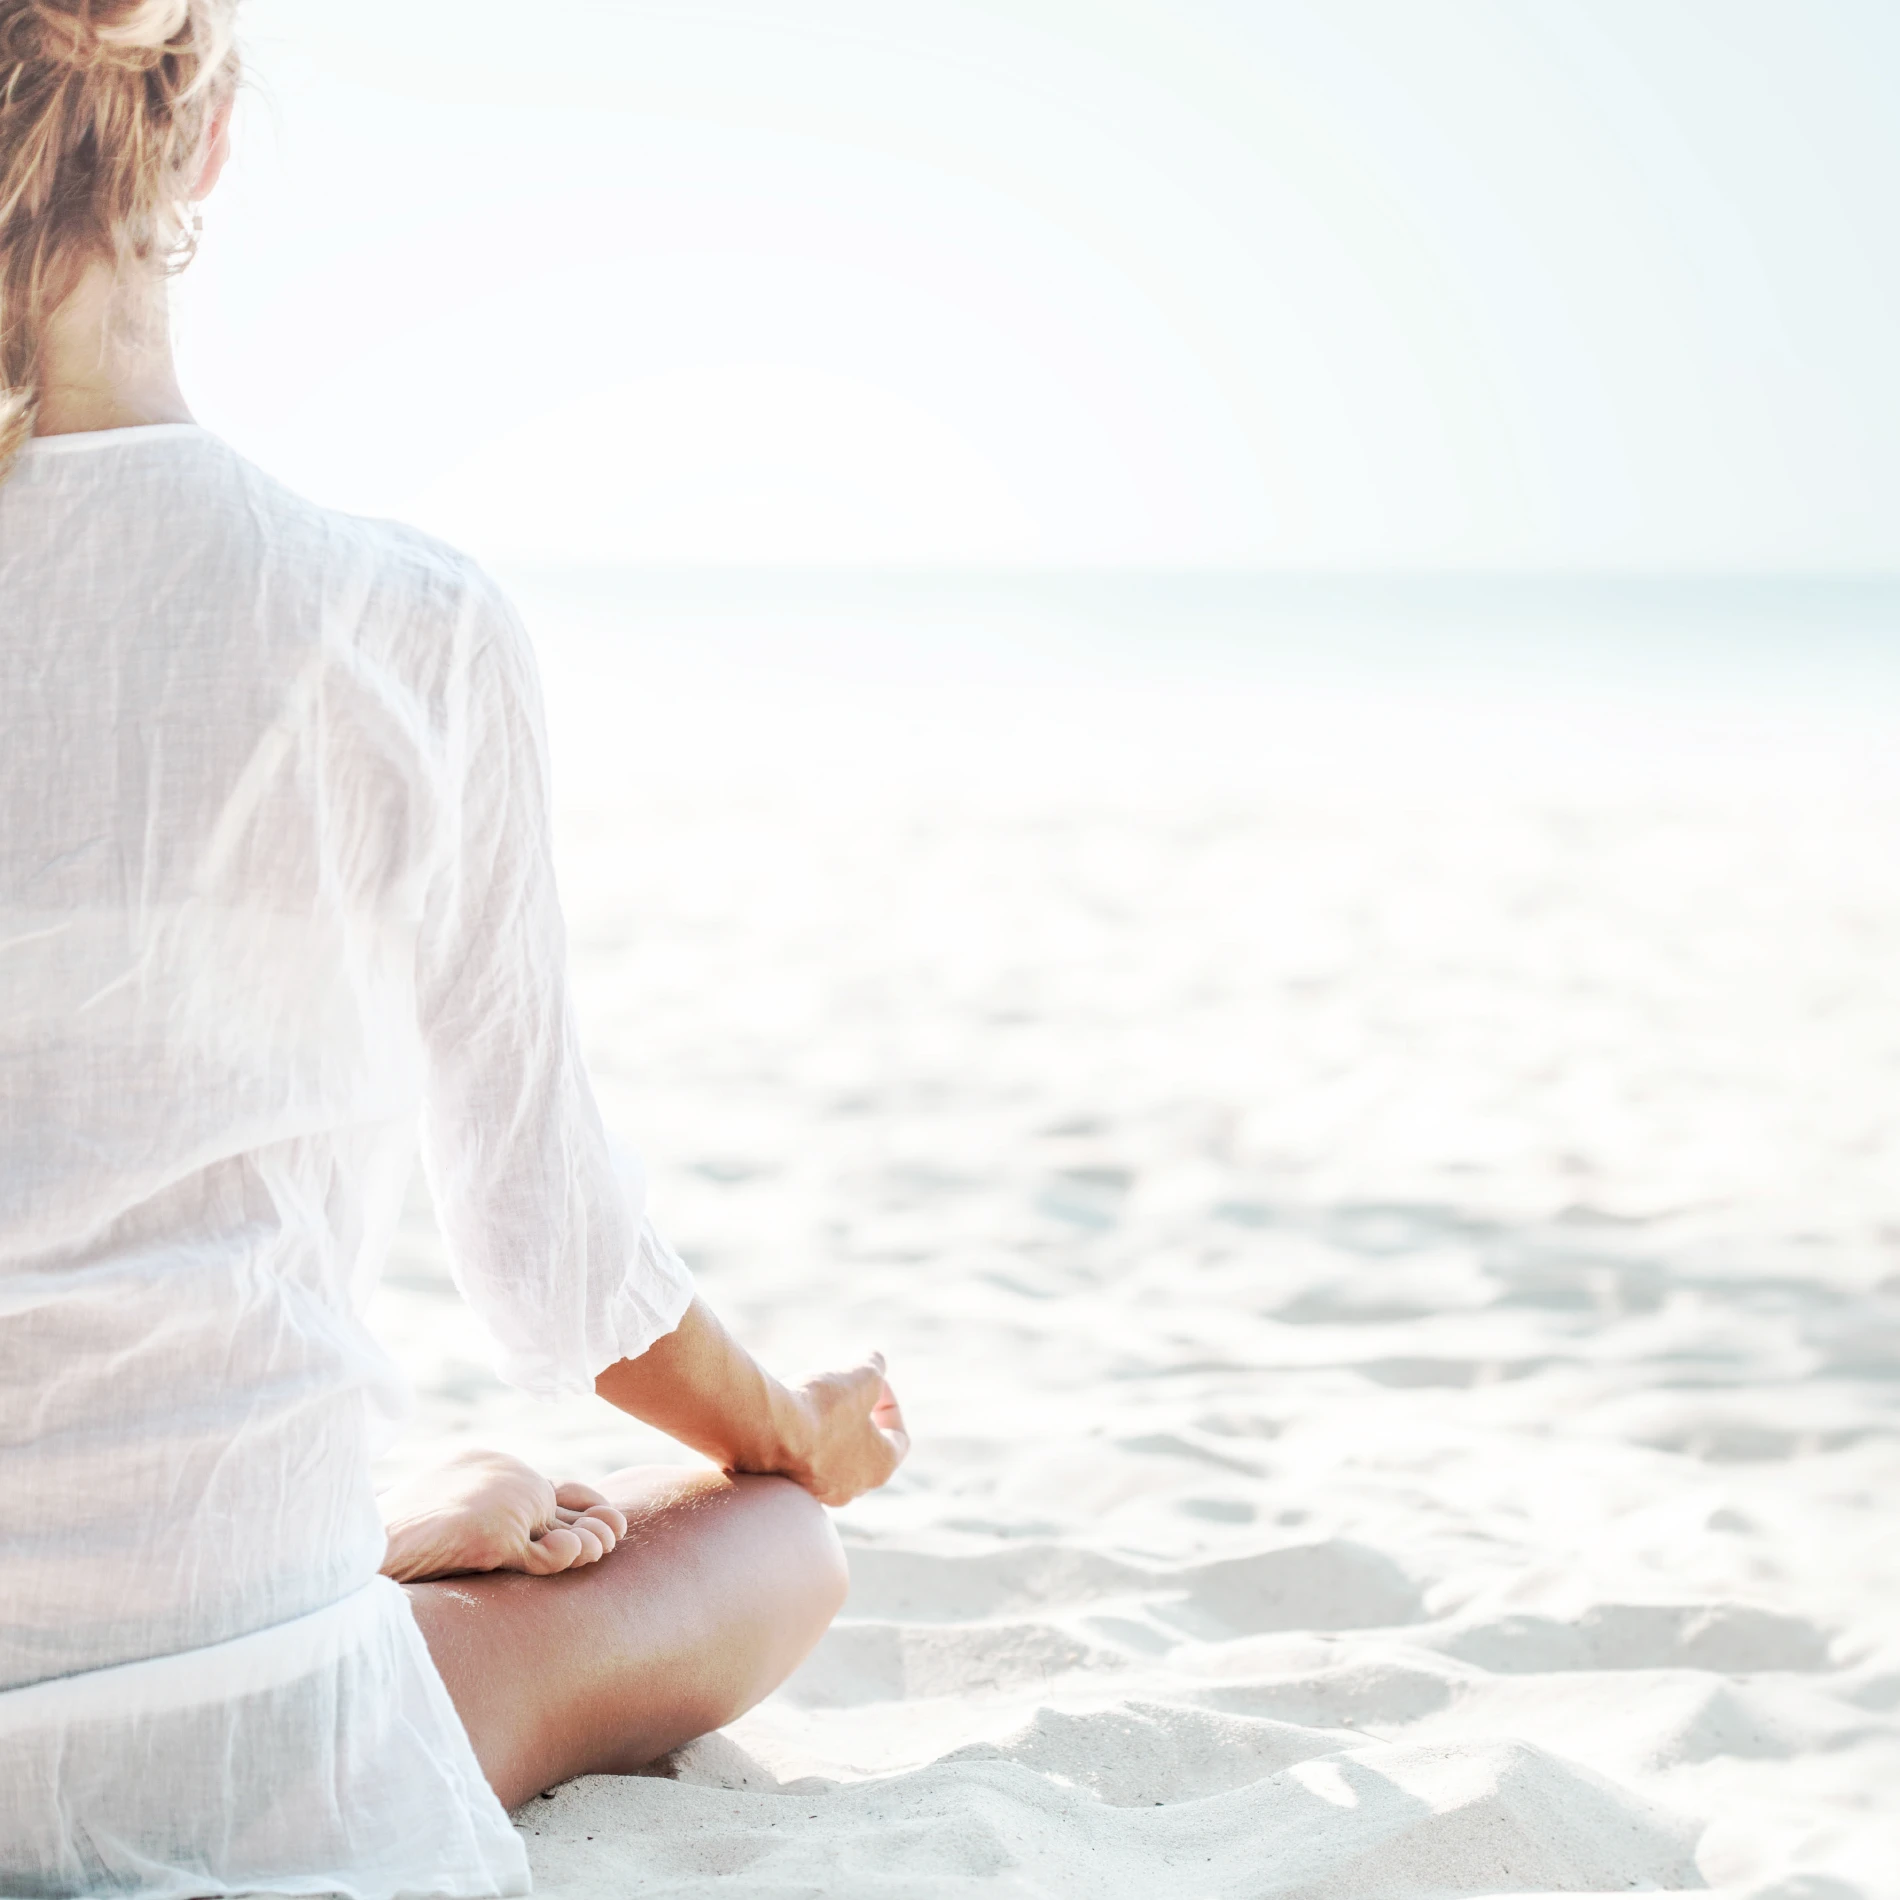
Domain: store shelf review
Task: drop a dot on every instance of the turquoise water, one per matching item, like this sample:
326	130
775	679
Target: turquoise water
1818	636
1019	688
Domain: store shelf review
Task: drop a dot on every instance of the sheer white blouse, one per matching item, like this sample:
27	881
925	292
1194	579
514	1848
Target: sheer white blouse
275	888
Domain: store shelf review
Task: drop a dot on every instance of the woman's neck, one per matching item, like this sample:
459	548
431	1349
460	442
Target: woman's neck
106	362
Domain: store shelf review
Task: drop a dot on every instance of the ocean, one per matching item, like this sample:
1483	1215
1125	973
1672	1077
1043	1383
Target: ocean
966	684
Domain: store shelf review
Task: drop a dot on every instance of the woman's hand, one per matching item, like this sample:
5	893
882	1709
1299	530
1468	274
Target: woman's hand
486	1511
839	1435
849	1436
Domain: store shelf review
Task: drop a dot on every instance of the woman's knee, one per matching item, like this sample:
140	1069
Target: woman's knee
747	1574
814	1568
766	1533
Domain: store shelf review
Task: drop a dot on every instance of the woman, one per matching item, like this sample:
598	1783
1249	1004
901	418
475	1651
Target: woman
274	885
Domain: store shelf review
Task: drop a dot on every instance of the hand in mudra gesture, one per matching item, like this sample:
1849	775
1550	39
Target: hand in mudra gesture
854	1436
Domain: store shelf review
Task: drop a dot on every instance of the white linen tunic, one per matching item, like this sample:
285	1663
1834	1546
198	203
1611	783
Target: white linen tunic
274	887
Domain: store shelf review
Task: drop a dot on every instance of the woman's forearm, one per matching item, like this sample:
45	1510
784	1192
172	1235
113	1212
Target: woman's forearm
839	1435
699	1385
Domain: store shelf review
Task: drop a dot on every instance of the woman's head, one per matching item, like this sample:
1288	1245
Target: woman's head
107	114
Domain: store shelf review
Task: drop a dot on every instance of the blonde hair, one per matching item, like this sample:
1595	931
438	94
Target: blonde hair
104	106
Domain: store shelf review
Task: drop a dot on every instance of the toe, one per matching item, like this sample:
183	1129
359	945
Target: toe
556	1549
593	1542
612	1521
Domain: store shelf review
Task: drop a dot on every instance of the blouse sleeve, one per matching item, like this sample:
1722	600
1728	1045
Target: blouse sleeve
544	1219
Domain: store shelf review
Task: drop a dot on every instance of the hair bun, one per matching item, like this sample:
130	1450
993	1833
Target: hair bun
144	24
86	32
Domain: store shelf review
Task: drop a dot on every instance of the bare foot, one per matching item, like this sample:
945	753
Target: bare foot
483	1510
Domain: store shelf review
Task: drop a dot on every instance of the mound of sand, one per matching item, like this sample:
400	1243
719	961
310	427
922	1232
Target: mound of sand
1353	1824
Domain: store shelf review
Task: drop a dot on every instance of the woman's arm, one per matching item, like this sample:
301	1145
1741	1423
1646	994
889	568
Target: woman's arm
838	1435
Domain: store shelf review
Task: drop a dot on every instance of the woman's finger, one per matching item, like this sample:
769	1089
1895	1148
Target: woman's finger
888	1416
862	1384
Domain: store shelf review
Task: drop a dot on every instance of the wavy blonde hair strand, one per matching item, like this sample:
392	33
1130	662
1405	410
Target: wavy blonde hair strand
104	108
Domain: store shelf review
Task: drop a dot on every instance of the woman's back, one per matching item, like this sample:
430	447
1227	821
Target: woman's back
236	725
223	789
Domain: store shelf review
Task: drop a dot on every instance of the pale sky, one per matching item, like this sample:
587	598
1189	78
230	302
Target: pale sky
1348	282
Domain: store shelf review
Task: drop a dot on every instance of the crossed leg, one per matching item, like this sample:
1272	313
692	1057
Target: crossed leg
717	1592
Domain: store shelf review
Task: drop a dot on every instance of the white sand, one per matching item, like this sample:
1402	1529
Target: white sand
1387	1229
